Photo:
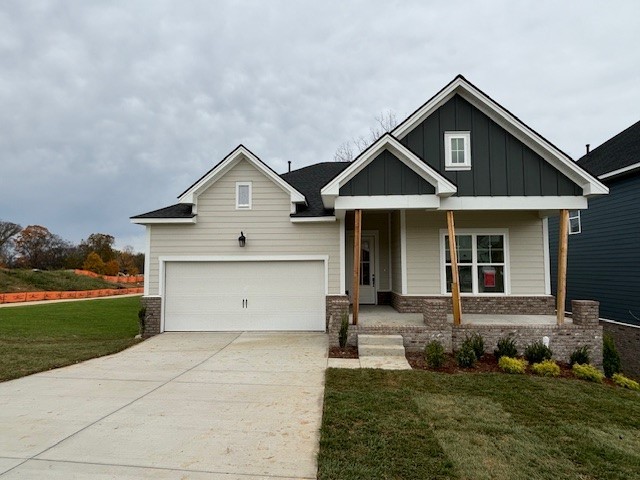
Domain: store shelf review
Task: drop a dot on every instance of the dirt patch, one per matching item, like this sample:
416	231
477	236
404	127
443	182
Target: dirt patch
347	352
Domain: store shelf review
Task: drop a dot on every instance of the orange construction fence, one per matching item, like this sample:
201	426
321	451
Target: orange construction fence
37	296
111	278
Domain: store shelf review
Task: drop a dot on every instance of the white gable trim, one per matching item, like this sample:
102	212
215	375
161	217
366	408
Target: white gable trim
149	221
231	160
557	158
331	191
619	171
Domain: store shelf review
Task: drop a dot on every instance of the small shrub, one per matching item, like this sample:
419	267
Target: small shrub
512	365
506	348
625	382
94	263
142	315
587	372
537	352
343	334
610	356
547	368
434	354
466	357
581	356
477	343
111	268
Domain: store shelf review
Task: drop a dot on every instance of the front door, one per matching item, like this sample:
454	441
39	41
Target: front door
368	295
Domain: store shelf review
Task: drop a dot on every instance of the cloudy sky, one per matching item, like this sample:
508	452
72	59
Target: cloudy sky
109	109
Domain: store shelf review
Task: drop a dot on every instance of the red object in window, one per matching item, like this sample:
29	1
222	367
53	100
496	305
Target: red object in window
489	275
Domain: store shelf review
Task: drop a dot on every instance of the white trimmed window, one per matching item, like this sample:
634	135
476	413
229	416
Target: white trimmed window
243	195
482	262
457	150
575	225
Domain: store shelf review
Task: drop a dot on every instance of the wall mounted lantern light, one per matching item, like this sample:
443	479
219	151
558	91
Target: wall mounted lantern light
242	240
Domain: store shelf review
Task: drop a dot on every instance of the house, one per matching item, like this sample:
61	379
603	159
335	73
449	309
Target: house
604	259
246	248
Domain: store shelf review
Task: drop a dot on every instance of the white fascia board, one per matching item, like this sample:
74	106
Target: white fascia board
149	221
232	159
313	219
620	171
390	202
513	203
442	186
590	185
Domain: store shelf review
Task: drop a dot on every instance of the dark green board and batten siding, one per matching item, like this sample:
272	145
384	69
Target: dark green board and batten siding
603	261
501	165
387	175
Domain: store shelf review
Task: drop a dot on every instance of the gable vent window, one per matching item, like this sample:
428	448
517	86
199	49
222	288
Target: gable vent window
457	150
574	222
243	195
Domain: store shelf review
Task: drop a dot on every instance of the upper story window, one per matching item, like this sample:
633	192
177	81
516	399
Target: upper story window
243	195
574	222
457	150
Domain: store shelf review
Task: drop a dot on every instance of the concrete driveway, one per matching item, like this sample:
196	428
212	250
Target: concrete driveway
180	405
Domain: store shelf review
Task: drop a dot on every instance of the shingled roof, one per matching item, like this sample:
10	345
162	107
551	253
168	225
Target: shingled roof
309	181
618	152
179	210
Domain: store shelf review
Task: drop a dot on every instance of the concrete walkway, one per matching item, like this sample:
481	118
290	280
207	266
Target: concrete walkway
197	405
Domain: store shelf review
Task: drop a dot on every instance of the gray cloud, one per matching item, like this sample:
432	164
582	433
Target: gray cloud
109	109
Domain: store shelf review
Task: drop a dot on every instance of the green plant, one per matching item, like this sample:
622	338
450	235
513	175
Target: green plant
625	382
547	368
343	334
610	356
142	316
587	372
466	357
537	352
477	343
580	355
512	365
434	354
506	348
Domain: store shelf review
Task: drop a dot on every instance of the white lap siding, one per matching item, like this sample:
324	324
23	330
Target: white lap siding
526	248
266	225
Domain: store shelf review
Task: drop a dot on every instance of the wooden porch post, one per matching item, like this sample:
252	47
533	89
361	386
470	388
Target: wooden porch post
562	264
357	239
455	284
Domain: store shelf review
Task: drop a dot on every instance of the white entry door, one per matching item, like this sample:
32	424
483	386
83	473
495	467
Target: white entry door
368	290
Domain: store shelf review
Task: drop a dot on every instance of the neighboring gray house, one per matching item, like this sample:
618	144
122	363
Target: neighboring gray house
246	248
604	241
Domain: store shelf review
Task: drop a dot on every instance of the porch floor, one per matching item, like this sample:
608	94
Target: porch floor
377	315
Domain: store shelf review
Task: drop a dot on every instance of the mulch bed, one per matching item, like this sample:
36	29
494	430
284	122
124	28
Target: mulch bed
347	352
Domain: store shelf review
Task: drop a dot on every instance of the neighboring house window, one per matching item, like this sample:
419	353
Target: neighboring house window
457	150
481	262
243	195
574	222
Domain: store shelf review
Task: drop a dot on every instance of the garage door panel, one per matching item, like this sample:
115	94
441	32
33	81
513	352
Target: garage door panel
280	295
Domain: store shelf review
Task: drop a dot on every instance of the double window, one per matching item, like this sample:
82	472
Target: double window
457	150
482	262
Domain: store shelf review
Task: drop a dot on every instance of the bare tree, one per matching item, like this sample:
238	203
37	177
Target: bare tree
8	230
347	151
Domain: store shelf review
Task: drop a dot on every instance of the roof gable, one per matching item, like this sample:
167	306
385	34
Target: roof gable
442	186
386	174
240	153
505	119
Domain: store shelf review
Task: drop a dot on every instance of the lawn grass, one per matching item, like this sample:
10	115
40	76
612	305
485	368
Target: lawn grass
34	338
16	280
425	425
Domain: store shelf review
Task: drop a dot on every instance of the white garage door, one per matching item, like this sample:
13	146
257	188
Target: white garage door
252	295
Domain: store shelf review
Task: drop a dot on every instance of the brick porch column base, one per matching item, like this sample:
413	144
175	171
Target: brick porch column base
585	312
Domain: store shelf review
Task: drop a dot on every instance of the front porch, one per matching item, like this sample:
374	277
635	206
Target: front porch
387	316
436	323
